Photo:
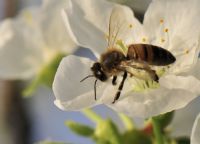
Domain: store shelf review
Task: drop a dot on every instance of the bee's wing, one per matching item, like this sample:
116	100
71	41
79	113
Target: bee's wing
118	24
134	64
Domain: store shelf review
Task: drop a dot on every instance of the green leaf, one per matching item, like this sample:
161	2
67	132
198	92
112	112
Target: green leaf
50	142
183	140
80	129
107	131
136	137
92	115
48	72
165	119
157	130
100	141
29	90
45	76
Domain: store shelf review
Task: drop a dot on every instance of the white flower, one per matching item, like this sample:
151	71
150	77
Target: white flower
195	136
172	25
184	118
32	40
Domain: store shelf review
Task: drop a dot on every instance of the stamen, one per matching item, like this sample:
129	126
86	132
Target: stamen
186	51
142	85
106	36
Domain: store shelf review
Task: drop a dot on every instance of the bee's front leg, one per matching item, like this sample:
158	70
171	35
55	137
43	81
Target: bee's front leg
114	80
120	87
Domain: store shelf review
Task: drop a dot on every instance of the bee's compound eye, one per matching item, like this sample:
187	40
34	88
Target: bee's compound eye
96	66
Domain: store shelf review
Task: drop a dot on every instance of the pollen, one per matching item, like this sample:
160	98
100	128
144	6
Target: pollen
130	26
144	39
166	30
187	51
161	21
162	40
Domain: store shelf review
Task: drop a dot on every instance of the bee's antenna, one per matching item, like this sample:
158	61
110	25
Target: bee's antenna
95	92
86	77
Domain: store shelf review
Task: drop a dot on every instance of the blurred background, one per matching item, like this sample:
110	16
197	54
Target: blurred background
30	120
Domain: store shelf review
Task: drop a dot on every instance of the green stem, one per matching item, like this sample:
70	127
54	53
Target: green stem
157	131
128	122
92	115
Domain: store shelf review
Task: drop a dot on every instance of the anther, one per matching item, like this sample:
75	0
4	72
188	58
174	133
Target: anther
162	40
144	40
187	51
130	26
166	30
161	21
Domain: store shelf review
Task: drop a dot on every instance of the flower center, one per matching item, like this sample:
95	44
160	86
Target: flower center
49	54
143	79
140	85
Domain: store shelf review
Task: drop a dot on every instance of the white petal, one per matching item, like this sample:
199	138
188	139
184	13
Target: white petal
70	93
184	119
196	70
87	21
153	102
181	19
20	41
124	26
52	26
110	91
188	83
195	136
186	58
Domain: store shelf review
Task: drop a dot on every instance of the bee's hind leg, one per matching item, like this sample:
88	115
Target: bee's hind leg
153	74
120	87
114	80
156	77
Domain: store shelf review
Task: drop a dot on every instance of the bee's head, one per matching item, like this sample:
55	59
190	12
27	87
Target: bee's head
98	72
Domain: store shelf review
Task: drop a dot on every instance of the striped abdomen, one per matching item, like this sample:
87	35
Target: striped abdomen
151	54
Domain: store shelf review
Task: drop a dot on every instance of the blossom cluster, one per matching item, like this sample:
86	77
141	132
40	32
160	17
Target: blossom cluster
33	44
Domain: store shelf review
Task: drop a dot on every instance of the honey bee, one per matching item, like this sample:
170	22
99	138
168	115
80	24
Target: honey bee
139	57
